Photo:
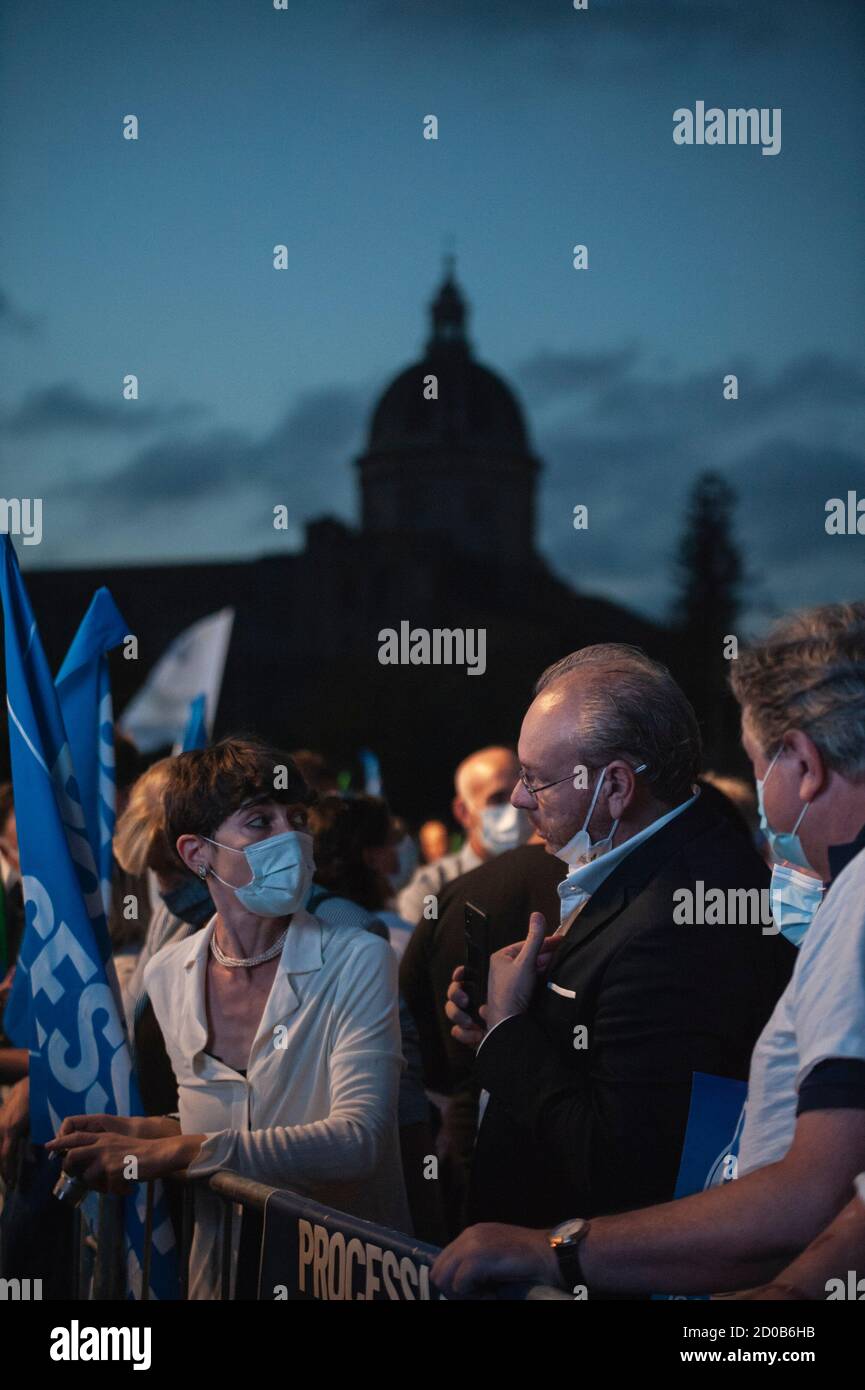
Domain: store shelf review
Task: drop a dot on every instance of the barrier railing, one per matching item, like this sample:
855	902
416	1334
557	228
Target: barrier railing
303	1251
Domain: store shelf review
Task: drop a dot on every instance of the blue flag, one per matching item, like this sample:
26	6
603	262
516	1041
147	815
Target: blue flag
195	733
84	690
79	1058
372	779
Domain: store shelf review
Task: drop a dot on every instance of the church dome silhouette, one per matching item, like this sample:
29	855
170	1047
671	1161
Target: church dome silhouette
450	457
475	408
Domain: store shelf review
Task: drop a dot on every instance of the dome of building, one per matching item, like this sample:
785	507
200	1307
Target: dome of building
475	408
450	456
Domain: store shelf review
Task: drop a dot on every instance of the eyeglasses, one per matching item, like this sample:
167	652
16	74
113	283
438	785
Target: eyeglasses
533	791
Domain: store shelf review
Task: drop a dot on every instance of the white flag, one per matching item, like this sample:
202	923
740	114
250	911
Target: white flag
192	665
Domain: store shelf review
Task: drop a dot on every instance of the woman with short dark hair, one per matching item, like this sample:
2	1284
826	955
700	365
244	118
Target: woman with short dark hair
283	1032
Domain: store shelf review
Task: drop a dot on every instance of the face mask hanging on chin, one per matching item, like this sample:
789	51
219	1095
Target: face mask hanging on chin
795	898
581	849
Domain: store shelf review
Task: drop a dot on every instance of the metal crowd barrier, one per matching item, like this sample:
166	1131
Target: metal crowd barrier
101	1274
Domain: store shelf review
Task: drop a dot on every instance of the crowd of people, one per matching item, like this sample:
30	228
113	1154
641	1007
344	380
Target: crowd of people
301	1011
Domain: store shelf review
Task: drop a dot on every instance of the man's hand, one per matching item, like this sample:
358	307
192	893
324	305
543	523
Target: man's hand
464	1028
514	972
494	1254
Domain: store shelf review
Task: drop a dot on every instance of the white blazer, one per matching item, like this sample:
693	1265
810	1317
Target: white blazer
317	1109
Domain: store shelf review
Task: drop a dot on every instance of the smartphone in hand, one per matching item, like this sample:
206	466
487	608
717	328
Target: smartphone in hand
477	959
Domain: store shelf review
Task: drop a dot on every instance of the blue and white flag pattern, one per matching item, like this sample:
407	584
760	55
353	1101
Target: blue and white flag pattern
79	1057
84	690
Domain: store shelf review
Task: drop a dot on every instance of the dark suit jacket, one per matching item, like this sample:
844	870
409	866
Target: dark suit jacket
508	888
571	1132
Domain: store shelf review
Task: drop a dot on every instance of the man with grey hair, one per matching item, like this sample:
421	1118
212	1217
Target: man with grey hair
589	1074
802	693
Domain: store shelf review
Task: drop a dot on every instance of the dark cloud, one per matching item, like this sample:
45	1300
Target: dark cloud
631	451
62	408
659	23
548	375
303	460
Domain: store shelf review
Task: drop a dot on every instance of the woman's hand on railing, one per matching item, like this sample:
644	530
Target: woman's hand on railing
112	1162
134	1126
112	1152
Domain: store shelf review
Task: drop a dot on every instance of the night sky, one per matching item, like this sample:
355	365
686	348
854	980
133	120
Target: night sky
555	127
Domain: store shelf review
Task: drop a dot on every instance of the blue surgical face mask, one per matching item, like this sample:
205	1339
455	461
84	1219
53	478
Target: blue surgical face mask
795	898
504	827
784	844
282	867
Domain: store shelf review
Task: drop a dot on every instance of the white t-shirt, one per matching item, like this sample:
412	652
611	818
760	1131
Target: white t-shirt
821	1014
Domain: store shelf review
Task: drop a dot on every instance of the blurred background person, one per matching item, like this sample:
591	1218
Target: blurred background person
402	861
318	774
177	904
354	849
483	783
434	840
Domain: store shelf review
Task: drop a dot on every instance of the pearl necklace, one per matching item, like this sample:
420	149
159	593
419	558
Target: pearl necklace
233	963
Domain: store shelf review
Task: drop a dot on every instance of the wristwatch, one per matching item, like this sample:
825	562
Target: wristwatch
565	1240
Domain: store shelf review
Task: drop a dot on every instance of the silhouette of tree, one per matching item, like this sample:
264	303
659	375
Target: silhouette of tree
710	575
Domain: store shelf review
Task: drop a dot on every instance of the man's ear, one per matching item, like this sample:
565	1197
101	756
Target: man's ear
191	850
621	784
460	812
813	772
